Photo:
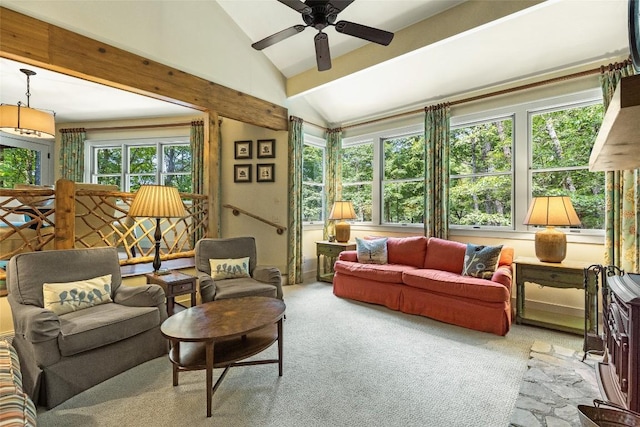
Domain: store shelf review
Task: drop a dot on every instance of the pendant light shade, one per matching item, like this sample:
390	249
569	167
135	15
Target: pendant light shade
26	121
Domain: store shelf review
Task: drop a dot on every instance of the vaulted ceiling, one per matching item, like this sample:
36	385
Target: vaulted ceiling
441	49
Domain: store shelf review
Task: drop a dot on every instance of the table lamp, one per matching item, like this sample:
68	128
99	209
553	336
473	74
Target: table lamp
342	210
551	211
157	201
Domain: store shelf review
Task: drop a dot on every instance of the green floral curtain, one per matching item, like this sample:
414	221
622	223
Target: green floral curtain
296	145
333	176
436	171
196	141
72	154
622	198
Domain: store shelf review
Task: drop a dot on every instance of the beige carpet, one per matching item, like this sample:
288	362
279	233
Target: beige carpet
346	364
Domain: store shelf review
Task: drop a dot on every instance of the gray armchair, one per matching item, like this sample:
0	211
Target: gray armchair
263	281
62	355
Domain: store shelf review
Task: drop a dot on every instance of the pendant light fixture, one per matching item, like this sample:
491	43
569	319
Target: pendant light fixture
26	121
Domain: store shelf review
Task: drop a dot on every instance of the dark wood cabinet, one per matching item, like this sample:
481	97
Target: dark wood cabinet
619	373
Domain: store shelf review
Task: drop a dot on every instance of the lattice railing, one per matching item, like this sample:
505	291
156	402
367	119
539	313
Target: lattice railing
28	222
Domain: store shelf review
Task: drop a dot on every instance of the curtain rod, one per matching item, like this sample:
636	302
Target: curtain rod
486	95
162	125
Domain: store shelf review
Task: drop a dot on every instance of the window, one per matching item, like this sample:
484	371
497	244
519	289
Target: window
403	179
130	164
357	178
561	142
24	161
499	160
383	175
480	171
313	163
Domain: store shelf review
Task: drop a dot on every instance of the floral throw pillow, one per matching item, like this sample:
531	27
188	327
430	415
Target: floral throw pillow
230	268
481	261
372	251
62	298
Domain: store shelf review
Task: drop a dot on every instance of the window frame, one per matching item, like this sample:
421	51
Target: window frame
317	142
93	146
45	148
511	173
520	167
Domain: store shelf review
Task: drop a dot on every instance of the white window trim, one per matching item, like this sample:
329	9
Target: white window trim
520	167
45	149
92	145
318	142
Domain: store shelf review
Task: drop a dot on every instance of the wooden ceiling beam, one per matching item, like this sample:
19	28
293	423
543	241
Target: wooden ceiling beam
29	40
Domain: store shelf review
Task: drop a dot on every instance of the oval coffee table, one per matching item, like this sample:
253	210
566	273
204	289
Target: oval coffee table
219	334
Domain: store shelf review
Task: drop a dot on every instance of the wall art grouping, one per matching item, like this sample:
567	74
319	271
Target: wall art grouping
265	172
243	150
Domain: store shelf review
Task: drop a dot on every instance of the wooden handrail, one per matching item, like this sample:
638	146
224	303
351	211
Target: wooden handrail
237	211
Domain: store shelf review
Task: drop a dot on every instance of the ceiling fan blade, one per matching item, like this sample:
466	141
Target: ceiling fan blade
297	5
278	37
323	57
362	31
339	5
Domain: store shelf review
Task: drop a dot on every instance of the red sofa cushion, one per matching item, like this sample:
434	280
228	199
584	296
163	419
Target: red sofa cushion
444	282
407	250
391	273
445	255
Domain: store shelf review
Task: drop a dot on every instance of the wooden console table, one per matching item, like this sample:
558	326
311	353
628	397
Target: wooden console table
330	250
564	275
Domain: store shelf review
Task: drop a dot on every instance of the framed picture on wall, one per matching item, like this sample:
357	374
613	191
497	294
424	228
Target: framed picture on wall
242	150
266	148
241	173
265	172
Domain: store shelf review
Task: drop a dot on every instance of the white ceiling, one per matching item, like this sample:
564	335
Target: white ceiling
552	36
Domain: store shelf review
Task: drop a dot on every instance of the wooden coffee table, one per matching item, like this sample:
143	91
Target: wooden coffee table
219	334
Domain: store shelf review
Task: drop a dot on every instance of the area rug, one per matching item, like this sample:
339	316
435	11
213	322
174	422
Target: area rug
345	364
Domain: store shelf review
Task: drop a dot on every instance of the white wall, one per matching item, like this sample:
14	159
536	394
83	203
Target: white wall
268	200
193	36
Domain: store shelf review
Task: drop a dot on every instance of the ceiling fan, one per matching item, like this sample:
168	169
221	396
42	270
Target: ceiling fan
320	14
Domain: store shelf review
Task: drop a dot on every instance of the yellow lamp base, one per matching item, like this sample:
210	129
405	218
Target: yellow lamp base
551	245
343	232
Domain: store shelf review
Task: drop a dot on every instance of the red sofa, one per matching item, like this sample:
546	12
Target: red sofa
423	276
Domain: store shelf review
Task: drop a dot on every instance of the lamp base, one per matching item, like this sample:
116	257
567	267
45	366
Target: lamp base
551	245
343	232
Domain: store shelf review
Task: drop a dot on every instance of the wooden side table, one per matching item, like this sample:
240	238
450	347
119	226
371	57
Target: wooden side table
564	275
174	283
329	250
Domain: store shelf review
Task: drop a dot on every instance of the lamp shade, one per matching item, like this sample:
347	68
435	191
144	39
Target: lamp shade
25	121
342	210
157	201
552	210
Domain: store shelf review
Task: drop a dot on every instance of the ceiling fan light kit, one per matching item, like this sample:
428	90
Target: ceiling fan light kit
26	121
320	14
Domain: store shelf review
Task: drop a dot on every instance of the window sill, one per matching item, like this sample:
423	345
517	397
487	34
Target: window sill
589	237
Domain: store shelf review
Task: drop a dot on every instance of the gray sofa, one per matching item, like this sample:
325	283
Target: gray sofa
263	281
62	355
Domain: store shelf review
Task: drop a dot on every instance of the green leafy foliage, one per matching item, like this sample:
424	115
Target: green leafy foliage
562	142
403	184
357	176
18	166
481	181
312	183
